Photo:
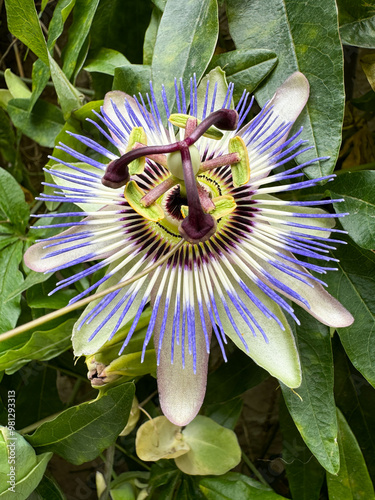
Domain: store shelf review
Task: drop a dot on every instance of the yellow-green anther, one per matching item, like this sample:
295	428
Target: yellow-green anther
137	135
133	195
180	120
174	162
224	205
184	211
240	170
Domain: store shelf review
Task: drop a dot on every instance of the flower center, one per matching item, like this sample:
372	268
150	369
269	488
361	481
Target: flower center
183	161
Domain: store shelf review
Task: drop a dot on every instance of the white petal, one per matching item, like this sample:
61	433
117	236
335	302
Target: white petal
36	256
181	390
81	334
279	356
323	306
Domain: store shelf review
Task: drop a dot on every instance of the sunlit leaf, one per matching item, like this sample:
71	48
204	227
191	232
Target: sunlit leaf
305	37
195	38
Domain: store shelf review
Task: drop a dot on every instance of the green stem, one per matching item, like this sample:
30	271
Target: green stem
110	456
77	305
254	469
136	459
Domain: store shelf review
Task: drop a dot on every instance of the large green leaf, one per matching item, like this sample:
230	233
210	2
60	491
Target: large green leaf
353	285
186	48
235	486
132	79
83	15
80	433
42	125
305	37
353	481
357	190
42	345
357	23
305	474
356	399
245	68
315	414
23	22
150	36
121	25
10	276
12	202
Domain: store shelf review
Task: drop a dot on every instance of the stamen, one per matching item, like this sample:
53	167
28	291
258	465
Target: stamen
219	161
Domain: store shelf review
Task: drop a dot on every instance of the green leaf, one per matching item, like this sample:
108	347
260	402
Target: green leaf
69	97
120	25
315	415
353	481
305	37
357	23
42	125
23	23
82	432
226	414
18	458
233	378
213	449
105	61
42	345
38	298
353	286
305	475
194	37
357	190
33	278
150	36
10	276
235	486
47	490
41	72
16	86
7	138
132	78
83	15
38	398
12	202
245	68
164	478
356	399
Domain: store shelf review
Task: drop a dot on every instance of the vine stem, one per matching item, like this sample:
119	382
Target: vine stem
87	300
